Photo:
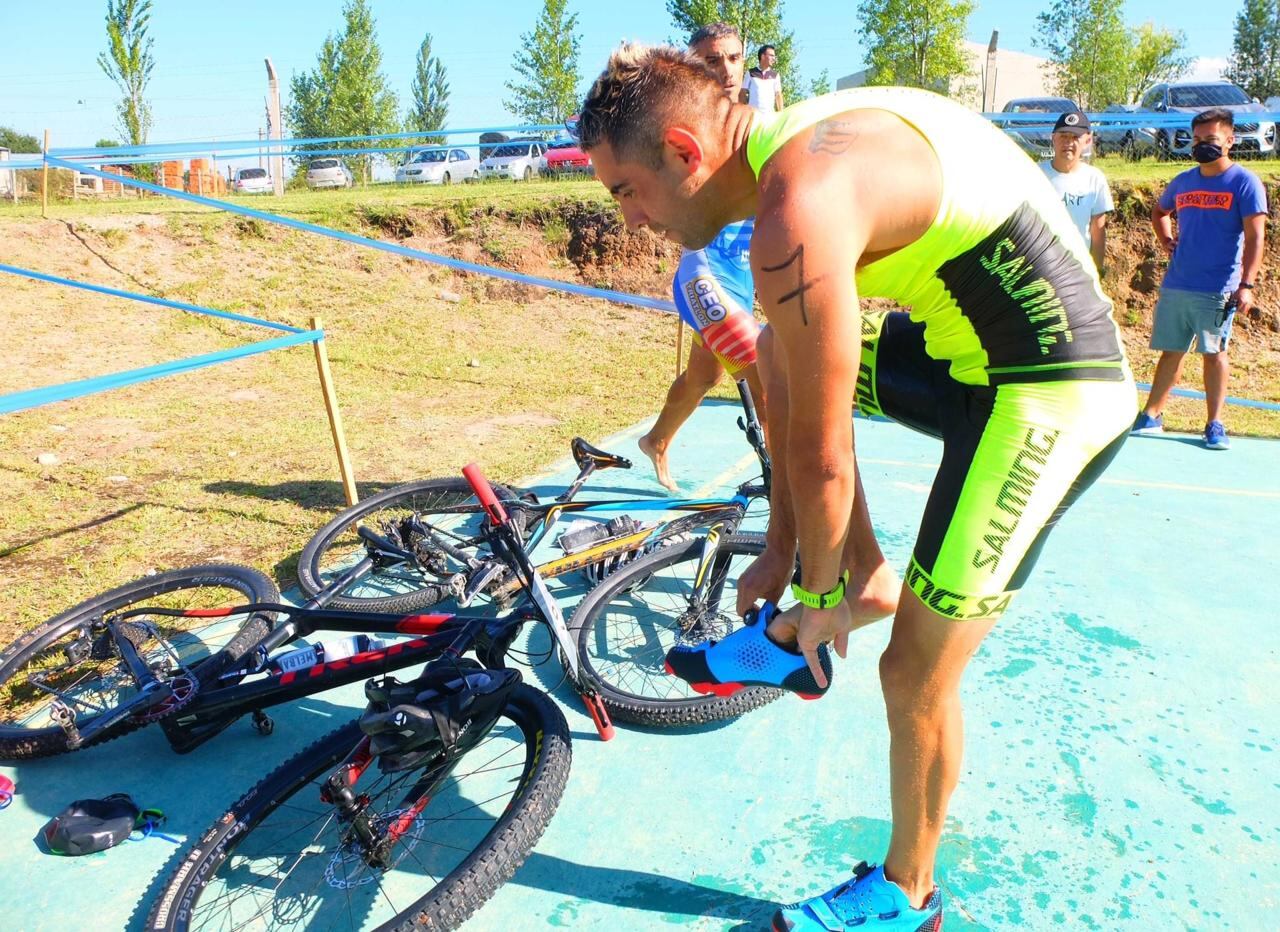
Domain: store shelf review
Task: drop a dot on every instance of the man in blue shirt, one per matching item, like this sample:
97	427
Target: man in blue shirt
1221	210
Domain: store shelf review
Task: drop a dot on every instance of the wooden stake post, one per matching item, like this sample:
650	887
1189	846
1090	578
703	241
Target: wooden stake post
335	418
44	179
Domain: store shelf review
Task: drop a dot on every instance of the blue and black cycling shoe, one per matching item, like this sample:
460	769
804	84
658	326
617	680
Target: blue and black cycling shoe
870	902
747	657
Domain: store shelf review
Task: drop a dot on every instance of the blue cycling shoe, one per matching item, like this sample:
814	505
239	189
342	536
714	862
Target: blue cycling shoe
747	657
869	901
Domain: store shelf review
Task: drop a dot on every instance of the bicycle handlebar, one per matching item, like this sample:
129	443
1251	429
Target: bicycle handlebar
484	492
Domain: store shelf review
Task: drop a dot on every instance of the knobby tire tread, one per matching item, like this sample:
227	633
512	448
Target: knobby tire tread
255	586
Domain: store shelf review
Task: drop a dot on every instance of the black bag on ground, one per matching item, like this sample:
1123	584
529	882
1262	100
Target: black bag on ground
90	825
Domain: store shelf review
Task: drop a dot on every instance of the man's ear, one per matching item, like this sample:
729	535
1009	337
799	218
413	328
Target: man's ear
684	147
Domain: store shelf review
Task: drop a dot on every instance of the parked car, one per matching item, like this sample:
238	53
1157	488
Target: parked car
1111	139
564	157
328	173
1033	136
523	159
252	181
439	166
1253	136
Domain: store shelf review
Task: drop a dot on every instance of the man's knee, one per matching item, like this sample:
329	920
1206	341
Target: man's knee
902	681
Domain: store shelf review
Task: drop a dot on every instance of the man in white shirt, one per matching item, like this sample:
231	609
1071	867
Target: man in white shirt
1082	187
762	88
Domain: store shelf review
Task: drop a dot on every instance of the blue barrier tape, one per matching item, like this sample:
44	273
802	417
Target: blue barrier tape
34	398
297	141
163	302
1241	402
618	297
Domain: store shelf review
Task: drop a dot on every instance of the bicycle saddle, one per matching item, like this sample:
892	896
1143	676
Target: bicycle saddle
584	453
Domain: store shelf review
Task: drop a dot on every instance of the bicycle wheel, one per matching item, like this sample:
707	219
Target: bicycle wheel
399	587
72	657
627	624
277	859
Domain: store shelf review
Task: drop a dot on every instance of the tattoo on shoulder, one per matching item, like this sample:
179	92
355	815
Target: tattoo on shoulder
832	137
797	293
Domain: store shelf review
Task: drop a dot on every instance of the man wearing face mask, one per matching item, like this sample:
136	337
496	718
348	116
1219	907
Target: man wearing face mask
1221	209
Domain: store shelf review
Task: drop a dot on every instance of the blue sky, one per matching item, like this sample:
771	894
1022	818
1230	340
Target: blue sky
209	79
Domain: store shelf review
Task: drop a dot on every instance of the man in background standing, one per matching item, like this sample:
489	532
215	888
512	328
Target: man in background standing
1221	210
1082	187
763	87
713	289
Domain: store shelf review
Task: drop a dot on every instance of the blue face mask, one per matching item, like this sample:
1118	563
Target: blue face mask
1204	152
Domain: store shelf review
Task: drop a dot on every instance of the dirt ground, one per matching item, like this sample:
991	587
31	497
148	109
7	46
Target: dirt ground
433	369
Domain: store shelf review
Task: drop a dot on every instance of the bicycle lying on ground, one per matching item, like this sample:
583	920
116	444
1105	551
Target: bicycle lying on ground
620	642
446	782
176	649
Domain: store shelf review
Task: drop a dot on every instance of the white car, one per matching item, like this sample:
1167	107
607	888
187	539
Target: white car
520	160
252	181
328	173
439	166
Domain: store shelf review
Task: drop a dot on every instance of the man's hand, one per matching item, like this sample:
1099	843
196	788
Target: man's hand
1243	299
1169	244
766	578
808	627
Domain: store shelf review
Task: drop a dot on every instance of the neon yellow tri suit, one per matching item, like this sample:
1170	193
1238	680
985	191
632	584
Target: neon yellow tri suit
1010	355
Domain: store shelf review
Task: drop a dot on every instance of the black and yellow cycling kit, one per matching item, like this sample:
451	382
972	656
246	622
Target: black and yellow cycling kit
1010	355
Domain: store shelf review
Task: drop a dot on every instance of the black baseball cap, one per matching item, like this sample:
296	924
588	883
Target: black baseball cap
1074	122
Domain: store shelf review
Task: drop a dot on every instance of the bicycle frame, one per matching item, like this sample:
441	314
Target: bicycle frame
439	635
702	512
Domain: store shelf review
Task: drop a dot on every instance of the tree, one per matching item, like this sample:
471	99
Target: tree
347	94
548	63
759	22
430	90
15	141
917	43
1089	50
1255	58
821	84
1157	56
128	62
106	144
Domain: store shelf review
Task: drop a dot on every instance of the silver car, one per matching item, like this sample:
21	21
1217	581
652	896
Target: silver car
1254	136
252	181
522	160
328	173
439	166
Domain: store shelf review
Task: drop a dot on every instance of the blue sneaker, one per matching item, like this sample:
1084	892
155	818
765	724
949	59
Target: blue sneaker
1146	424
869	900
1215	436
747	657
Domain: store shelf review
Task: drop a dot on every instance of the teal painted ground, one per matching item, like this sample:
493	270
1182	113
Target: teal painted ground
1122	770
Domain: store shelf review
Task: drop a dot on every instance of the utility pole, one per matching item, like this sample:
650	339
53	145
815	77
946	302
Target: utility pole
274	129
989	79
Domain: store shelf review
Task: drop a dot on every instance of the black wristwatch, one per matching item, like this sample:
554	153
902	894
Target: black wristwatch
1248	285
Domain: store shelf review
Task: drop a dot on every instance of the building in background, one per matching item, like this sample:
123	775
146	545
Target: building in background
995	77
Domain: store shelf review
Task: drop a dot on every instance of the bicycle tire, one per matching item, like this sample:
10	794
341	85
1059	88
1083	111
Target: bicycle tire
19	743
425	493
589	620
459	893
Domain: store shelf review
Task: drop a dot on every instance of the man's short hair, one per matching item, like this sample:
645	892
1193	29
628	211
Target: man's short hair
714	31
766	48
633	100
1214	115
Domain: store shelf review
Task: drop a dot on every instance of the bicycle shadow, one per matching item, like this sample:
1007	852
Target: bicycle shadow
315	494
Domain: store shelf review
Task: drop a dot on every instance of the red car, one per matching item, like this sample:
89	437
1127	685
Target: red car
564	157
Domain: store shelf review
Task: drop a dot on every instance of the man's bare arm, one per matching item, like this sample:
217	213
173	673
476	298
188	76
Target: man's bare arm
804	256
1098	240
